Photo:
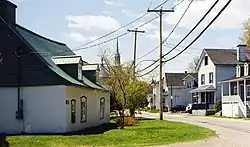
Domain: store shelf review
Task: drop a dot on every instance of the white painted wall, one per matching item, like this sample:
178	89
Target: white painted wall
230	110
8	107
206	70
44	110
93	107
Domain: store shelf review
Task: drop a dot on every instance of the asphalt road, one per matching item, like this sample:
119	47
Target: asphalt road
231	132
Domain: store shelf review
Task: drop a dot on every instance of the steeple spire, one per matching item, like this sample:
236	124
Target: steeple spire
117	54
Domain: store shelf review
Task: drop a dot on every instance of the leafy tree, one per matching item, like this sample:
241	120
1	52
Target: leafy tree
218	106
128	93
245	39
193	64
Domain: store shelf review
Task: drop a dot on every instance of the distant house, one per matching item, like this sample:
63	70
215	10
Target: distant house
176	87
43	84
214	66
235	91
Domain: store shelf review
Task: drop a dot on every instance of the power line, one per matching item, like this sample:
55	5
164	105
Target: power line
215	3
149	71
186	35
115	37
124	26
171	31
211	22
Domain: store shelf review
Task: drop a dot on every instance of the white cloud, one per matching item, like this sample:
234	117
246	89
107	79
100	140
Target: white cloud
233	16
90	22
155	35
109	2
113	2
148	27
75	36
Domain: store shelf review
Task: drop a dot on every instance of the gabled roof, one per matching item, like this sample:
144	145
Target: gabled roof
223	56
176	79
220	57
46	49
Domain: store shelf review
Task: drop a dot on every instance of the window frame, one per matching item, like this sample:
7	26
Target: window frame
84	110
79	71
202	79
102	108
73	111
206	60
211	77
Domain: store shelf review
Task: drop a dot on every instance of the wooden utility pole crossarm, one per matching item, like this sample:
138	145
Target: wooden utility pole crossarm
161	11
135	43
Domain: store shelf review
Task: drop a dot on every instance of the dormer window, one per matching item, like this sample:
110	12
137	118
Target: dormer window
246	69
238	71
79	71
206	60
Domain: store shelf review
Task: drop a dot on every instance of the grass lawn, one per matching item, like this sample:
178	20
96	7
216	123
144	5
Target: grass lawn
145	133
153	111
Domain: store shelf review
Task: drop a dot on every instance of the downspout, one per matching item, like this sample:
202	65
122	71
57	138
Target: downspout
19	113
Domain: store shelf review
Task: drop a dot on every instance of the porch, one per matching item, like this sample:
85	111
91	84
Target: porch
203	99
235	95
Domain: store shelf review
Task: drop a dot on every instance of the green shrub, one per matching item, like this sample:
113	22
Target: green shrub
218	106
128	121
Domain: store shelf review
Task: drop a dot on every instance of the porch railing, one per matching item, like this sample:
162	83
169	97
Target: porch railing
242	106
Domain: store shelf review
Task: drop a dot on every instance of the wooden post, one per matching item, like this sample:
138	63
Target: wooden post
238	88
222	90
229	88
245	95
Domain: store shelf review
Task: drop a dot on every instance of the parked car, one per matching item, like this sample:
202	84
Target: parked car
178	108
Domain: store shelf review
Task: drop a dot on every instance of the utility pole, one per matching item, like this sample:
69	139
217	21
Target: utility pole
160	12
134	62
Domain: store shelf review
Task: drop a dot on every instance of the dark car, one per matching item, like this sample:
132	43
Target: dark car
178	108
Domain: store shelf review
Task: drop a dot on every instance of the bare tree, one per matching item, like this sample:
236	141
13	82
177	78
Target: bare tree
245	38
126	90
193	65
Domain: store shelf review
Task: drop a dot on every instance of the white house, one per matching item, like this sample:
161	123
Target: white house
176	87
214	65
43	88
235	91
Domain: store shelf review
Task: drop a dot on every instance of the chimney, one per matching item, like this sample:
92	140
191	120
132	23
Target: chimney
8	11
186	72
241	53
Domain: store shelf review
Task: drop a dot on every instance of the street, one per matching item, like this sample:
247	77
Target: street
231	132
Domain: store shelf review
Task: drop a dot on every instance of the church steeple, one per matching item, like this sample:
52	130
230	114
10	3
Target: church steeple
117	54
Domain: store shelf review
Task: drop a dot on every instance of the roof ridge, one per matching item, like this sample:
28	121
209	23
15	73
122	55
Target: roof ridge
40	35
225	49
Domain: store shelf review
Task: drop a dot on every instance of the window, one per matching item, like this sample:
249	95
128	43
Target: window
102	107
210	98
246	69
238	71
235	90
248	90
83	109
211	77
206	60
73	111
202	79
79	71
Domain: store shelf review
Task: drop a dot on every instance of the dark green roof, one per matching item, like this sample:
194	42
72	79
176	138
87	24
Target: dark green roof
47	48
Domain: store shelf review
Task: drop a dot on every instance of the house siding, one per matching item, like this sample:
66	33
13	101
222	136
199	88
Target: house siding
206	70
44	110
93	107
223	72
33	70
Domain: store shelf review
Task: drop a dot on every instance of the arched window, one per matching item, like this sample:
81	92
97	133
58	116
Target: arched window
83	109
73	111
102	107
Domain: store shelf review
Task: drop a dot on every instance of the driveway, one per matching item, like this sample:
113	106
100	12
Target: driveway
231	132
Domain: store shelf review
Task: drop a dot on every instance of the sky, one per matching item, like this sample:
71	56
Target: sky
76	22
